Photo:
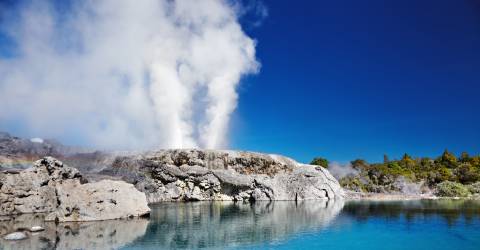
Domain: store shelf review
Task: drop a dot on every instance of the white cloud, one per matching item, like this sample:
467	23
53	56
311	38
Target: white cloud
127	74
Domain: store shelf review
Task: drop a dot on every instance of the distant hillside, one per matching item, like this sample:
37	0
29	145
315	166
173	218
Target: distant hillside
446	174
16	152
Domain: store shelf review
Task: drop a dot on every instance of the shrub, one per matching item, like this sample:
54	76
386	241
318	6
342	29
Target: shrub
467	174
452	189
320	162
448	159
352	183
359	164
474	188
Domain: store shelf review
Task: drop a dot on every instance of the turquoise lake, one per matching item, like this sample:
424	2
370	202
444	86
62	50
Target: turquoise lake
426	224
441	224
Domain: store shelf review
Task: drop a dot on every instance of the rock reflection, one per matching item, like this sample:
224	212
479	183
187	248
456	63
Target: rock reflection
87	235
223	224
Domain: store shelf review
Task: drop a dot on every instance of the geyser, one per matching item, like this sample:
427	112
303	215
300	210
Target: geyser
125	74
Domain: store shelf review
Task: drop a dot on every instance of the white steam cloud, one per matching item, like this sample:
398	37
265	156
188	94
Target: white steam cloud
339	171
127	74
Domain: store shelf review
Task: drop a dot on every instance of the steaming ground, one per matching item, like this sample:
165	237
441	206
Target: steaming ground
401	184
339	171
122	74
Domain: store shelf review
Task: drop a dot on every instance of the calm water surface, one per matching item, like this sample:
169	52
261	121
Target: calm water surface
442	224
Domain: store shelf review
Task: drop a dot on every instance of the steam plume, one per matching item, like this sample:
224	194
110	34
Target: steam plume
339	171
126	74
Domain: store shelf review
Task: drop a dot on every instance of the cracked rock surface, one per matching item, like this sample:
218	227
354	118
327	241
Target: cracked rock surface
60	191
191	175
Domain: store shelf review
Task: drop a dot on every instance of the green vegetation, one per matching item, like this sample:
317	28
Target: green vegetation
319	161
474	188
452	189
391	175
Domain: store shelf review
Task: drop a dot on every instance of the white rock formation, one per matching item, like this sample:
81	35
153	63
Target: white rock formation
51	187
103	200
183	175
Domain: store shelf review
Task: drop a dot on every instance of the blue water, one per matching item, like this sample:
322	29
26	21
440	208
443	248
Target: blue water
443	224
382	233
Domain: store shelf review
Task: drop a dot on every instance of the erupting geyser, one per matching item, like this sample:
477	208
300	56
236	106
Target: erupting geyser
126	74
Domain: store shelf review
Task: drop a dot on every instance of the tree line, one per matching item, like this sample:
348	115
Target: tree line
445	171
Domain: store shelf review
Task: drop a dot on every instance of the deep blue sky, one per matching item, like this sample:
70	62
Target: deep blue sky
359	79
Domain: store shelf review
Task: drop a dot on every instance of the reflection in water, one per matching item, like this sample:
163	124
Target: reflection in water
308	224
87	235
450	210
225	224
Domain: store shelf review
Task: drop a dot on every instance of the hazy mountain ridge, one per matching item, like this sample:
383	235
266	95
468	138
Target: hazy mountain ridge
16	152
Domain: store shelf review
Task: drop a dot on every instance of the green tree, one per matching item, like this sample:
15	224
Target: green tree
319	161
359	164
448	159
444	174
467	174
475	161
464	157
407	161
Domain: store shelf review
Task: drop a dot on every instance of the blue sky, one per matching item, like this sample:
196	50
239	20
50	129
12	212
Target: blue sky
356	79
359	79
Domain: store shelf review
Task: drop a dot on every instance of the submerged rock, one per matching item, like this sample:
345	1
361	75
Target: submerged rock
183	175
15	236
52	187
36	229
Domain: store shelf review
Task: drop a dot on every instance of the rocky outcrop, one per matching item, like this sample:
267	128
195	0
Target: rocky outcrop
103	200
34	190
191	175
54	188
183	175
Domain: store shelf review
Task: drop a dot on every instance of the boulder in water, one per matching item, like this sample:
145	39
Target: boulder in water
15	236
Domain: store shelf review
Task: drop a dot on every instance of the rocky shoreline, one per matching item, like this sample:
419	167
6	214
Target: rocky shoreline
123	189
49	196
350	195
